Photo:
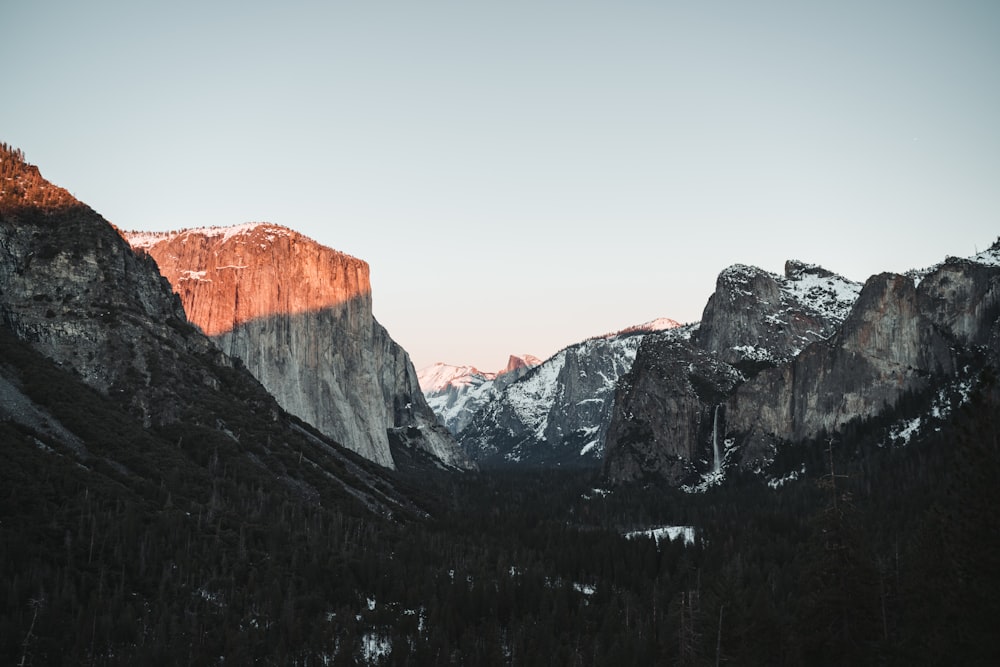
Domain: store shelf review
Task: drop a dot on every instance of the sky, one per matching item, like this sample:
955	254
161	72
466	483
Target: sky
523	175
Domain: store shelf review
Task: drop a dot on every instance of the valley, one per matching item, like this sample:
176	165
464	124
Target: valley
214	454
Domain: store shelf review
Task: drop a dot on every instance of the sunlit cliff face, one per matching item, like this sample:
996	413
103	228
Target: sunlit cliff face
231	275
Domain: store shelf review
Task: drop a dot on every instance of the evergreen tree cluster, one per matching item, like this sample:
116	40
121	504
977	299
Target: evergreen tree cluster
21	184
881	557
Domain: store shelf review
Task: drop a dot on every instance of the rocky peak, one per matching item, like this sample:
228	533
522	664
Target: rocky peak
515	363
757	318
557	413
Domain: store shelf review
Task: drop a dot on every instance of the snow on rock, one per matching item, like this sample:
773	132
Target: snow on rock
456	393
558	413
440	376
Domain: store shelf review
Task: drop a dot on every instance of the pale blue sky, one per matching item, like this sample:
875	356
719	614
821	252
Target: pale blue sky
522	175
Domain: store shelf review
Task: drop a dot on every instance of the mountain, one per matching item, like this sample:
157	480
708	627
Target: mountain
299	316
557	414
74	293
158	507
783	359
456	393
904	336
133	445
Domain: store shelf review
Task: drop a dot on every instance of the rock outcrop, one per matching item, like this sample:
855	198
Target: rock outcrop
756	318
299	316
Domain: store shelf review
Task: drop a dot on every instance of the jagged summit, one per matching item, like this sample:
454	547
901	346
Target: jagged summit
988	257
659	324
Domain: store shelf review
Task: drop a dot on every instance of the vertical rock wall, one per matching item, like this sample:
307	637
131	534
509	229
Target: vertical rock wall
299	316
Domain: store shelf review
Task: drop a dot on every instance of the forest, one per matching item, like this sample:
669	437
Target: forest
185	554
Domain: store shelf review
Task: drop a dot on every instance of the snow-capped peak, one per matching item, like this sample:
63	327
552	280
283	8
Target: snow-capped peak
440	376
659	324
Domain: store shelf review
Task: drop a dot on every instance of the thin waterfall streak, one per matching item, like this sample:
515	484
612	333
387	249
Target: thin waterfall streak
717	463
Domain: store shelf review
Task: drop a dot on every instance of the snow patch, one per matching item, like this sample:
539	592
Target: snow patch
687	533
778	482
375	647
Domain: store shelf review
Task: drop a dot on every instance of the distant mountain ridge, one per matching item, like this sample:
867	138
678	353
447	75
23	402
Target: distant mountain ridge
556	414
441	375
456	393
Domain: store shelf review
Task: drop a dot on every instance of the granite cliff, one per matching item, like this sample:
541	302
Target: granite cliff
904	335
786	359
299	316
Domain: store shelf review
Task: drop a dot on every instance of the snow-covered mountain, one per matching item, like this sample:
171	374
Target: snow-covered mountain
456	393
558	413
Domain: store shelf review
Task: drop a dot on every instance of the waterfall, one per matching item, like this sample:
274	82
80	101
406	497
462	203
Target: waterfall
717	462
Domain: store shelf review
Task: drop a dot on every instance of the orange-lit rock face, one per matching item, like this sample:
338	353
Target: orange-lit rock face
228	276
299	316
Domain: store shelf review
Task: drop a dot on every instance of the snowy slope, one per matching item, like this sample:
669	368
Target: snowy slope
456	393
558	413
440	376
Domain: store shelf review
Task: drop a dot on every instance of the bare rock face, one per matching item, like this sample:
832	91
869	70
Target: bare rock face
667	409
299	316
